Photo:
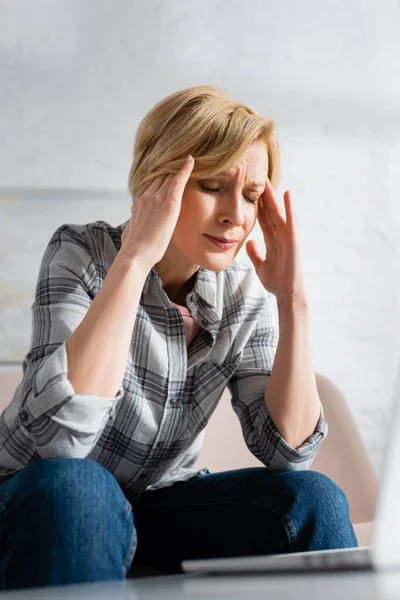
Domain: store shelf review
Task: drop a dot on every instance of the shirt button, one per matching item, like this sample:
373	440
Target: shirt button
160	444
193	297
173	400
143	476
204	322
24	415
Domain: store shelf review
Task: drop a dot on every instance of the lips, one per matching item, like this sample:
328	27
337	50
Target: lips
219	244
221	239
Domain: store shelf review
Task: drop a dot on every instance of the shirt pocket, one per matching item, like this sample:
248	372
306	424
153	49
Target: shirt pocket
209	383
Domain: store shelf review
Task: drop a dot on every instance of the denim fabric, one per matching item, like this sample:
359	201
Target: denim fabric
63	521
68	521
241	512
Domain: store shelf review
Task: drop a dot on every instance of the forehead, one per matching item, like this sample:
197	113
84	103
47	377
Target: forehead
252	166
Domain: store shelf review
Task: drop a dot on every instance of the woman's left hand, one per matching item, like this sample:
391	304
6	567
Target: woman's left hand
280	270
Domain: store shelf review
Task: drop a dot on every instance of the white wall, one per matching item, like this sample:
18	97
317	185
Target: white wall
77	77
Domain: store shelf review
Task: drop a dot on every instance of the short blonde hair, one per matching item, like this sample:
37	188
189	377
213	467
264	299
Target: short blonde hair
204	122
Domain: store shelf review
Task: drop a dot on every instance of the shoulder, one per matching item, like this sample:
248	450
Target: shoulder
99	239
86	232
83	250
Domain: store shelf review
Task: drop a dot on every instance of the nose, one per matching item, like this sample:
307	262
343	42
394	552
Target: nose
234	210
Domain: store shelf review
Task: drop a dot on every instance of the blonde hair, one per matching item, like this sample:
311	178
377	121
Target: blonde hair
204	122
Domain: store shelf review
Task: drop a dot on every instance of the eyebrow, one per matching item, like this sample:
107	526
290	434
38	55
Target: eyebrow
253	183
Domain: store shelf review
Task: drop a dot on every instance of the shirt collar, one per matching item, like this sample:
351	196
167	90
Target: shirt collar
205	286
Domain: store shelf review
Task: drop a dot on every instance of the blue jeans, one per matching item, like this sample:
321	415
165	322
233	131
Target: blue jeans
68	521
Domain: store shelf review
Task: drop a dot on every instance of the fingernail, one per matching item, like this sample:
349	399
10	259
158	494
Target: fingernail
189	159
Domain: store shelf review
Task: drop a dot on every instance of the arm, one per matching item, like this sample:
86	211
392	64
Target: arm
64	420
291	396
97	350
249	386
290	418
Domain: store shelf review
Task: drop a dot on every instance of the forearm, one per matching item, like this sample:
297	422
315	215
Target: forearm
291	394
98	349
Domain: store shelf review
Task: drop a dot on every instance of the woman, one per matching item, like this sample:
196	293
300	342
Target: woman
137	330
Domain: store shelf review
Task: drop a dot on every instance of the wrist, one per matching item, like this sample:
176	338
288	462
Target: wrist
131	263
293	304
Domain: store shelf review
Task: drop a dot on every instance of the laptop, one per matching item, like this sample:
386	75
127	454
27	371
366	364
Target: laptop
384	551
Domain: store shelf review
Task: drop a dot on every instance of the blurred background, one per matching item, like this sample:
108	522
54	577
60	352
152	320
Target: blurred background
77	77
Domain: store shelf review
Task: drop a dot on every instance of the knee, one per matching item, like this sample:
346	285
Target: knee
313	508
75	516
319	494
67	483
310	496
307	491
319	512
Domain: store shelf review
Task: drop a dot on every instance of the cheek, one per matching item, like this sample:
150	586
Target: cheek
194	210
190	222
187	216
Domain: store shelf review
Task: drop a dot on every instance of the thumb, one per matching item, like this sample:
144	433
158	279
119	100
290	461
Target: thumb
253	253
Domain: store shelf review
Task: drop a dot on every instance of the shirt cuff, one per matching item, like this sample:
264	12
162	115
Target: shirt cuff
282	456
53	395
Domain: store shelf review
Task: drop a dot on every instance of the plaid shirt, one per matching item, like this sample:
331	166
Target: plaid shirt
150	434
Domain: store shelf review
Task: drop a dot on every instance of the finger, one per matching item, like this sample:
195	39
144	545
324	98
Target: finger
254	252
161	193
187	168
189	162
271	205
180	180
264	216
163	189
290	216
155	185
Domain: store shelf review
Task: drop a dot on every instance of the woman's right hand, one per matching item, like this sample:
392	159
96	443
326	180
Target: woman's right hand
154	216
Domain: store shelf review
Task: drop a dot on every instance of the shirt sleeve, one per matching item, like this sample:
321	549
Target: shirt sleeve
62	423
247	386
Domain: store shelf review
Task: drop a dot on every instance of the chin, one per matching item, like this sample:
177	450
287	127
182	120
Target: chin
217	264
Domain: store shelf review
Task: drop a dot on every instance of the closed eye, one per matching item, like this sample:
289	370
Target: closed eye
250	200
